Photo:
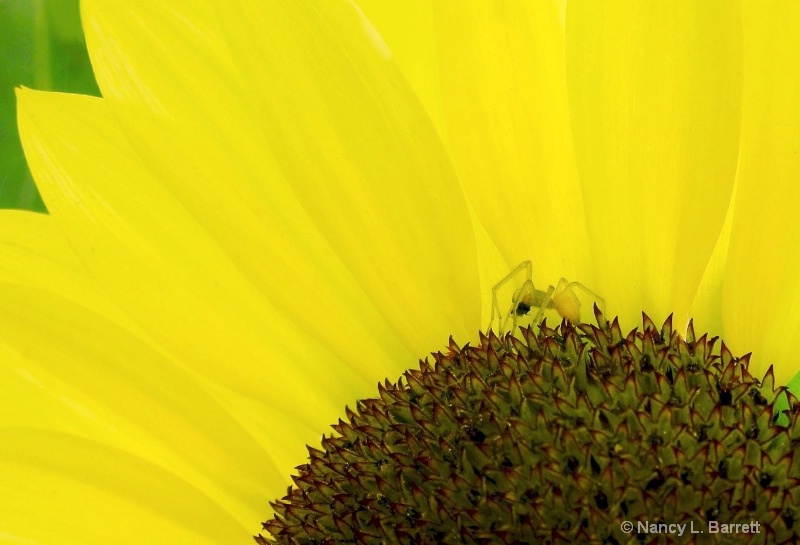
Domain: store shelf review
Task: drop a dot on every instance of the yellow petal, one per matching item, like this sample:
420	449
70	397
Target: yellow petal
363	157
761	291
65	490
159	264
362	161
504	93
408	29
706	308
48	394
185	113
67	369
36	254
655	103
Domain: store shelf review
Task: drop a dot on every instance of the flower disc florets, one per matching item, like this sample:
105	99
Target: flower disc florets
558	436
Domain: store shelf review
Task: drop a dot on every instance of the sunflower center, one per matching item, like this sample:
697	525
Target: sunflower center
557	436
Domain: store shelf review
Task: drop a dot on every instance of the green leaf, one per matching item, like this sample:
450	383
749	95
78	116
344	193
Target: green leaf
42	46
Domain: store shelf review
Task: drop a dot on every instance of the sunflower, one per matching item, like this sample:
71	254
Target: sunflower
276	204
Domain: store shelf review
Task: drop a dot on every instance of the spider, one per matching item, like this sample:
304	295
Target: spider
530	305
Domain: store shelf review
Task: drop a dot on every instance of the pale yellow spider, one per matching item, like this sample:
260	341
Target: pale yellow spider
530	305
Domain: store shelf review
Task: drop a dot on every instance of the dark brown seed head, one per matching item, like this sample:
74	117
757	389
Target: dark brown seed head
556	436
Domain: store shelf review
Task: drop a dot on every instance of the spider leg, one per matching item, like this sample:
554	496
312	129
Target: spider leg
516	280
544	300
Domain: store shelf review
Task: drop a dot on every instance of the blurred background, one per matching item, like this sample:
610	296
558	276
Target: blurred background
41	47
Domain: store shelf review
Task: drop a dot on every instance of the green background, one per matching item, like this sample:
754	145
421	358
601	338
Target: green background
41	47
